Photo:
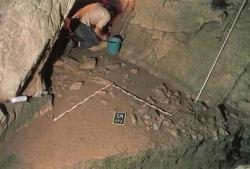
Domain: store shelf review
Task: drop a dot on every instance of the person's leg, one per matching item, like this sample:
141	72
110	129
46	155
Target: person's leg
86	36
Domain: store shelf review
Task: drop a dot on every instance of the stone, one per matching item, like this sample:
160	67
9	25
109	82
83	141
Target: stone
155	127
148	122
113	67
104	102
142	110
147	117
134	71
99	80
166	123
160	119
71	64
151	100
133	119
172	108
123	64
58	63
112	94
76	86
173	132
88	64
103	92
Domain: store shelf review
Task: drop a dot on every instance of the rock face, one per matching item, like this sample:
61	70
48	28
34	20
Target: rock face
27	29
179	41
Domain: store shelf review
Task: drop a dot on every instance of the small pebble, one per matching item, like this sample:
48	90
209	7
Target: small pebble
59	63
142	110
123	64
173	132
134	71
156	127
148	122
147	117
133	119
105	102
103	92
112	94
76	86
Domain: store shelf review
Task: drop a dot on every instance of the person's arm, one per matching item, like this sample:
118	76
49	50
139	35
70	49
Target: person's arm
98	32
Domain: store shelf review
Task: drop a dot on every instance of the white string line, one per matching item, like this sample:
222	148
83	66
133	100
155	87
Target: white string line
117	87
86	99
141	100
219	54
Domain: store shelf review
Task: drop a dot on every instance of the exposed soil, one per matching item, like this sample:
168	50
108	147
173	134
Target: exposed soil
87	132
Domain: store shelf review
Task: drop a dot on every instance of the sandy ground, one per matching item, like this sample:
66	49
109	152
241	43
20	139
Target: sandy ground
87	132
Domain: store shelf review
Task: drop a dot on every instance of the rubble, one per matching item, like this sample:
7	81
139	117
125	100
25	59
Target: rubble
71	64
134	71
133	119
88	64
76	86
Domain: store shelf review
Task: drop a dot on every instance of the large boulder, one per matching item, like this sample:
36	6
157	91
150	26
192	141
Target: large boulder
179	41
27	29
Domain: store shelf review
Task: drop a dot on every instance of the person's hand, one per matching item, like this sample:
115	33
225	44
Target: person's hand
104	37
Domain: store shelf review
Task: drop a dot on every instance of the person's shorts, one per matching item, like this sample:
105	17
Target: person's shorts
86	36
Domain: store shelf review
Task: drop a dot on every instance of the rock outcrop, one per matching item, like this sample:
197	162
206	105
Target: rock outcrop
27	30
179	41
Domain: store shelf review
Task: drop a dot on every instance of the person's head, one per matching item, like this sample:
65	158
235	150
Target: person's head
74	22
112	10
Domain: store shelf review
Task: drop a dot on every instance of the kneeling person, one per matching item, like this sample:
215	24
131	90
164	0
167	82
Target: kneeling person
87	26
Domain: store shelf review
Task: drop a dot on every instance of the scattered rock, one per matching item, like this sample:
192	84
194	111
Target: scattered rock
159	93
173	132
215	135
166	123
167	100
112	94
123	64
71	64
59	95
172	108
160	119
133	119
76	86
155	127
89	63
134	71
148	122
113	67
151	100
59	63
105	102
103	92
99	80
147	117
177	93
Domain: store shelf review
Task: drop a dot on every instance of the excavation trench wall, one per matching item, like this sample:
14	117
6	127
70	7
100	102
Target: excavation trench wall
179	40
27	30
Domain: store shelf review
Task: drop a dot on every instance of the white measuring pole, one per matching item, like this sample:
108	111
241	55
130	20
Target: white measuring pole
219	54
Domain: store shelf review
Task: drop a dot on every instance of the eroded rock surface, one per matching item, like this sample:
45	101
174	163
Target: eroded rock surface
179	41
27	28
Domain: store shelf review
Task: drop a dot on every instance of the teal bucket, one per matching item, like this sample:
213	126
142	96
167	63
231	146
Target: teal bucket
114	45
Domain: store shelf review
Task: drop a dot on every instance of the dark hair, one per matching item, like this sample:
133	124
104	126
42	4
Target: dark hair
112	10
74	22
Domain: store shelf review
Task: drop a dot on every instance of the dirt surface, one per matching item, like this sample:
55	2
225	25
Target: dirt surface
87	132
192	130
